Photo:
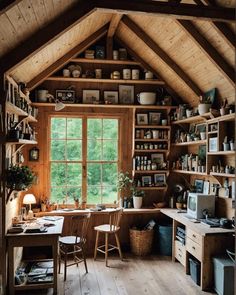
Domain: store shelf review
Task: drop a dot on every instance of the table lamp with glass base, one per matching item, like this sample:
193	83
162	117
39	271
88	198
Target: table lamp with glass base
28	200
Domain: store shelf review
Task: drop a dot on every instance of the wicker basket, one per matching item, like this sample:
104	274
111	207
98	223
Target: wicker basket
141	241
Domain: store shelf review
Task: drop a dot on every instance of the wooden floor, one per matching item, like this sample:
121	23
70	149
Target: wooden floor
153	275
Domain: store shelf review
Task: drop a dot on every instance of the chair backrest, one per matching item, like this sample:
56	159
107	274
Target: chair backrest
79	226
114	218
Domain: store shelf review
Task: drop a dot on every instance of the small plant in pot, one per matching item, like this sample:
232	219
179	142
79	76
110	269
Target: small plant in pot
204	105
124	184
179	202
18	178
137	198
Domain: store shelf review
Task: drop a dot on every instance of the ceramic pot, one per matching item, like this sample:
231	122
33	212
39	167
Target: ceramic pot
147	98
137	202
203	108
203	135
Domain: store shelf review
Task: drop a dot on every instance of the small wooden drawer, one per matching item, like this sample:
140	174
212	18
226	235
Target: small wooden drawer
194	248
197	238
180	252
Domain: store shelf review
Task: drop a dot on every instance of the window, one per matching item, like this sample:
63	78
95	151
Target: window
84	159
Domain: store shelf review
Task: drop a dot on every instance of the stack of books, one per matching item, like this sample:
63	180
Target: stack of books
89	54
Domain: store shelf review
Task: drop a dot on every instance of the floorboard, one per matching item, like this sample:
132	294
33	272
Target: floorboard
152	275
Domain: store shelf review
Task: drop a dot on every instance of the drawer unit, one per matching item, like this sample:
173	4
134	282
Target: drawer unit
194	248
197	238
180	252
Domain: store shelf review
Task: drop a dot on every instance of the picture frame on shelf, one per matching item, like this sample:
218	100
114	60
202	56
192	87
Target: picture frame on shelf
200	128
206	187
91	96
126	94
111	97
142	119
146	180
158	159
160	179
213	144
67	96
154	118
198	183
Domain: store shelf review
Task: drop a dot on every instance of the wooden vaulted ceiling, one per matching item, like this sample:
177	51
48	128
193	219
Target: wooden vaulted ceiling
192	52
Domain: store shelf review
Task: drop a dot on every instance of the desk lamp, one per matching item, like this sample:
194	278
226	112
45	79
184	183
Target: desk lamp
28	200
59	105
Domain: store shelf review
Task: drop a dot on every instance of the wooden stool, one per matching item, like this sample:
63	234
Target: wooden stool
111	228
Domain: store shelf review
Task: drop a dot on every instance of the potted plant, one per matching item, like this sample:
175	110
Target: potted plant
179	202
76	202
204	105
137	197
18	178
124	183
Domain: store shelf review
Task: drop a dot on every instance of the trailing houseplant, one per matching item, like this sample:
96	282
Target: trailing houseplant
18	178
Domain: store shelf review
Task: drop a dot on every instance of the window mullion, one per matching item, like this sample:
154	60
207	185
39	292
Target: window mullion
84	158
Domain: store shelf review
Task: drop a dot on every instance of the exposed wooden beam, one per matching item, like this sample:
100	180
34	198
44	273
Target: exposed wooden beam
209	50
46	35
179	10
67	57
161	54
111	31
147	66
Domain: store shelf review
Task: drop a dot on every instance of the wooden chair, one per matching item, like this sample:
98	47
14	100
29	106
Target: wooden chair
74	244
111	228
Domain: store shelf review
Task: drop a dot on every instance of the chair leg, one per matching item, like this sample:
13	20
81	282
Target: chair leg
65	266
106	248
75	256
84	257
59	262
96	245
118	245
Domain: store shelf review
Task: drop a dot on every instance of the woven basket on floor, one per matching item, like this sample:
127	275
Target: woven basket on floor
141	241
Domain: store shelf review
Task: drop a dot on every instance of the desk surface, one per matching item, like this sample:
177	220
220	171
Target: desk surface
197	227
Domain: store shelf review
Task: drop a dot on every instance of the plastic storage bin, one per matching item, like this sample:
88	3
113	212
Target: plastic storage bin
195	270
164	239
223	275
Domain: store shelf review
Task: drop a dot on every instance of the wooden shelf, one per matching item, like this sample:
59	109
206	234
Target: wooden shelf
127	106
11	108
149	188
212	132
112	81
105	61
151	127
188	172
150	139
21	141
226	153
151	151
222	174
150	171
193	119
229	117
197	142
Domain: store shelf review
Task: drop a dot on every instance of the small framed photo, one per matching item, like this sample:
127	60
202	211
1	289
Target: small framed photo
146	180
67	96
213	144
200	128
154	118
126	94
206	187
158	159
91	96
34	154
198	183
110	97
142	119
160	179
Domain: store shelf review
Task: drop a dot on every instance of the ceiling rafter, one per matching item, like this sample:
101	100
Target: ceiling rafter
115	20
223	28
209	50
68	56
161	54
175	10
146	66
46	35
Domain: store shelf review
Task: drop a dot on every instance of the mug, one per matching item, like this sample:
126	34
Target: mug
164	122
148	75
135	74
42	95
115	54
126	74
66	73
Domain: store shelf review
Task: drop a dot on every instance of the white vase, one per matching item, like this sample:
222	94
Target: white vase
203	108
137	202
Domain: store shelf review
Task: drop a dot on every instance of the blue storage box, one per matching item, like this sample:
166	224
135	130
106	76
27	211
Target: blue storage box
164	239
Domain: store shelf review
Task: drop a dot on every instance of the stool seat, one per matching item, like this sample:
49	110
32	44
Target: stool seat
107	228
70	240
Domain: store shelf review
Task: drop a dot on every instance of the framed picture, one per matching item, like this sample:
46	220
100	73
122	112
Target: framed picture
146	180
206	187
158	159
160	179
91	96
67	96
210	94
200	128
142	119
154	118
34	154
198	183
213	144
126	94
110	97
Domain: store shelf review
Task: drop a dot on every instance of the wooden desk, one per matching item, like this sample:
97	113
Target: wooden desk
202	242
49	238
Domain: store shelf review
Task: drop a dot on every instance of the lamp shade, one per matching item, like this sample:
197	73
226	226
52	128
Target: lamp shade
29	199
59	106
